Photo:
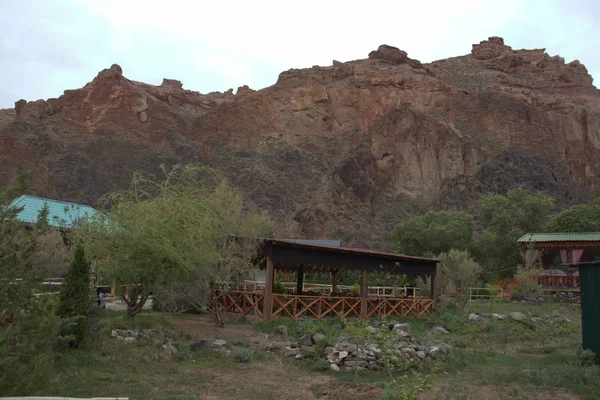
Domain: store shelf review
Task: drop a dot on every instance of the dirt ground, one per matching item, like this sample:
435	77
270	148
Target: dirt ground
273	377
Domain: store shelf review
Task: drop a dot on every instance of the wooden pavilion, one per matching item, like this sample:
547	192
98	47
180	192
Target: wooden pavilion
287	255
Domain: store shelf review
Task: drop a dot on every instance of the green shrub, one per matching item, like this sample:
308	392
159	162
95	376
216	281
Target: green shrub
243	354
278	287
282	330
320	365
355	290
183	352
526	286
586	357
75	300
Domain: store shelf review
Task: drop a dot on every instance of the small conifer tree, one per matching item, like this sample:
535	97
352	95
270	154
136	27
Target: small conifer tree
75	301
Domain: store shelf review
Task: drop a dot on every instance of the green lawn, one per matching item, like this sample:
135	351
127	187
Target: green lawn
500	359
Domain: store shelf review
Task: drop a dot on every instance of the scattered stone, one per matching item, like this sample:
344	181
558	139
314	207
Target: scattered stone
402	328
169	348
290	351
527	372
305	340
476	319
517	316
298	356
219	344
121	332
334	367
498	317
421	354
132	333
171	333
120	338
200	344
438	330
318	337
113	334
536	319
371	330
129	340
306	349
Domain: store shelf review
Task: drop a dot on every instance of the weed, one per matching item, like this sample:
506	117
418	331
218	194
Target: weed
320	365
243	354
237	342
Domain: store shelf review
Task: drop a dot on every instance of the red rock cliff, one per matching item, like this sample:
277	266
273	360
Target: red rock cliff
343	151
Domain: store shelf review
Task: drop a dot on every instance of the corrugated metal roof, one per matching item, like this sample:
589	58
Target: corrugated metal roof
61	213
324	242
560	237
352	250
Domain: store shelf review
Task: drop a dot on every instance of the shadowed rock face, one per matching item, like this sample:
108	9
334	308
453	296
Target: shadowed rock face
344	151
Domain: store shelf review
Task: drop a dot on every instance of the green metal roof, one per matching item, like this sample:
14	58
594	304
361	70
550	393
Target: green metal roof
560	237
61	213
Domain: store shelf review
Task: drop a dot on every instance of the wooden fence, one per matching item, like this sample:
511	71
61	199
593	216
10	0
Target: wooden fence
294	306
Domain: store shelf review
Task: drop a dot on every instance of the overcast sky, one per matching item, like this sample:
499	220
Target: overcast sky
47	46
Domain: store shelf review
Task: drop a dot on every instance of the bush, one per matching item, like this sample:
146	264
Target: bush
457	270
75	300
278	287
355	290
243	354
320	365
526	286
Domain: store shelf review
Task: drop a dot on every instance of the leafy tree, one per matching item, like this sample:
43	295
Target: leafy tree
26	321
189	231
579	218
517	210
504	219
42	225
458	269
434	233
75	300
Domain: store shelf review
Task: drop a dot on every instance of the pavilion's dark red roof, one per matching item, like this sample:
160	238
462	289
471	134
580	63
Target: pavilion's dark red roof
351	250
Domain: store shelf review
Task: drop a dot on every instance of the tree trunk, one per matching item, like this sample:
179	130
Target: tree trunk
135	302
215	301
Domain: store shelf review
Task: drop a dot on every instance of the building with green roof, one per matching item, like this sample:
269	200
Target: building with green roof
560	253
61	214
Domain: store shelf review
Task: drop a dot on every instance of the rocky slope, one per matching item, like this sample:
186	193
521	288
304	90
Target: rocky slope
343	151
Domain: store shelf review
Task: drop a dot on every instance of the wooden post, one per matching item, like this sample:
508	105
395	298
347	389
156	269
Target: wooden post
268	304
433	288
300	280
364	291
334	281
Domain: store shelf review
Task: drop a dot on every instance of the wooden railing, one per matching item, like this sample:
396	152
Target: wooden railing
293	306
324	288
557	281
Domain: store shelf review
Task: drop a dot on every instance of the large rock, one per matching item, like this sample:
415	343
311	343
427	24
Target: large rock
305	340
200	344
169	348
219	344
318	338
475	319
517	316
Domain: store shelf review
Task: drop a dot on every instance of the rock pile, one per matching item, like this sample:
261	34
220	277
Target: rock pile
397	347
131	335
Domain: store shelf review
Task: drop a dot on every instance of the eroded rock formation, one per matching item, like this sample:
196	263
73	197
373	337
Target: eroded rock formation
342	151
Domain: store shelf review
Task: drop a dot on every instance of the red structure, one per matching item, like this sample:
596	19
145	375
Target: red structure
559	256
